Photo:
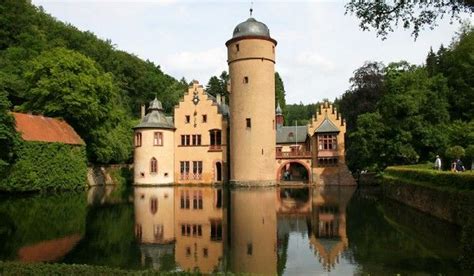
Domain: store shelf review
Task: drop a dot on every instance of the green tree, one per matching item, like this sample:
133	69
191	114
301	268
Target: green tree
470	155
416	15
367	150
455	152
8	134
367	88
280	93
67	84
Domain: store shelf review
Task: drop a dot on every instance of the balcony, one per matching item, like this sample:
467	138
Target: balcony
215	148
293	154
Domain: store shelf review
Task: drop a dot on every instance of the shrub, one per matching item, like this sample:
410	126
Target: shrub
433	177
46	167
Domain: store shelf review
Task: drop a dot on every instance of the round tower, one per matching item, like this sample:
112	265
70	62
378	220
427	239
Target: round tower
251	59
154	147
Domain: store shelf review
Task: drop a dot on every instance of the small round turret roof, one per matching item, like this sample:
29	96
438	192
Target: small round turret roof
251	27
155	117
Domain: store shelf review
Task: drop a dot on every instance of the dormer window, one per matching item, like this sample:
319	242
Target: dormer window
291	135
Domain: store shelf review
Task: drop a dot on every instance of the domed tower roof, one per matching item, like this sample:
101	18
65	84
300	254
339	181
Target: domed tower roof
251	27
155	118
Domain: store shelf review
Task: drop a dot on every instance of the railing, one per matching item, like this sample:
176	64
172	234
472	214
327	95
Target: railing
293	154
190	176
215	147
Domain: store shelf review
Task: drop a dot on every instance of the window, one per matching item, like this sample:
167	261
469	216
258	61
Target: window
327	142
216	139
188	251
138	231
153	165
191	229
205	252
158	139
204	118
278	151
138	139
184	169
187	119
196	140
248	123
216	230
218	199
197	169
273	49
237	47
185	140
249	249
158	231
185	200
327	162
153	205
246	79
291	135
197	200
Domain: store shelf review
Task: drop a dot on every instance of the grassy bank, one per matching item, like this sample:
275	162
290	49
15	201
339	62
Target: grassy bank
14	268
425	174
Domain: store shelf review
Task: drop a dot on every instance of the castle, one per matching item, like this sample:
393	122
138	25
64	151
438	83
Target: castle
209	141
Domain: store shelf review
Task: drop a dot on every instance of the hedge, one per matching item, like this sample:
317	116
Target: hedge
459	180
14	268
43	166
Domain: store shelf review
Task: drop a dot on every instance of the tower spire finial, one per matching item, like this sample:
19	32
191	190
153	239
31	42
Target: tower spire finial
251	8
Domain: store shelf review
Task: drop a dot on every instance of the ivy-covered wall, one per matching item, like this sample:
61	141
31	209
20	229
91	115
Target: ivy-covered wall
43	166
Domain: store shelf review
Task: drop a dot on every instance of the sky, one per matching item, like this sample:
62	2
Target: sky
319	47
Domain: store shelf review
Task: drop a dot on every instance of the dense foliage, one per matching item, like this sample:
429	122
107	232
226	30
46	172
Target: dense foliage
8	135
46	167
52	68
404	114
384	15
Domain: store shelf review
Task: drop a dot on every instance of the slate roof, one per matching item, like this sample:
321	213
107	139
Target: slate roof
278	110
221	107
283	134
45	129
326	126
251	27
155	118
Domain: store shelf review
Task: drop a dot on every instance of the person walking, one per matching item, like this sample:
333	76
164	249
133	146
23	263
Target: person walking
437	163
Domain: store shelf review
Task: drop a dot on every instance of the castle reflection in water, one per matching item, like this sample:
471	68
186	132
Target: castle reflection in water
241	230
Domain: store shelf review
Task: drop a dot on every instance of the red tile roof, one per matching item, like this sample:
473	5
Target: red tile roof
45	129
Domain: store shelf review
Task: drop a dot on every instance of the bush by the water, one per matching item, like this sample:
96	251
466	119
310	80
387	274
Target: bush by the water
433	177
46	167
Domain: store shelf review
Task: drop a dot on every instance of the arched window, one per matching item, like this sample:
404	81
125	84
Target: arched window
153	165
153	205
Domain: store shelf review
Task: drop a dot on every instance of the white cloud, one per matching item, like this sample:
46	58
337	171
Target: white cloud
315	61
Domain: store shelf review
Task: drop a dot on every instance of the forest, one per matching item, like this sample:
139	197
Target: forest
402	113
51	68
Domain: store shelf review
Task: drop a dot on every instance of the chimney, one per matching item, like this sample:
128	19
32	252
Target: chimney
142	111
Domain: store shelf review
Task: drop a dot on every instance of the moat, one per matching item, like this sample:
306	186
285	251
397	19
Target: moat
331	230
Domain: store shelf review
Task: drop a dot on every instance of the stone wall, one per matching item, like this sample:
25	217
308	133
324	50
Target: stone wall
99	175
442	203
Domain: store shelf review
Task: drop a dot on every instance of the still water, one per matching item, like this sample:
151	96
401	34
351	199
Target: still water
289	231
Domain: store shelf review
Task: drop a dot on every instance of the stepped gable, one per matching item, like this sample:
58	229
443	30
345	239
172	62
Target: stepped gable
45	129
